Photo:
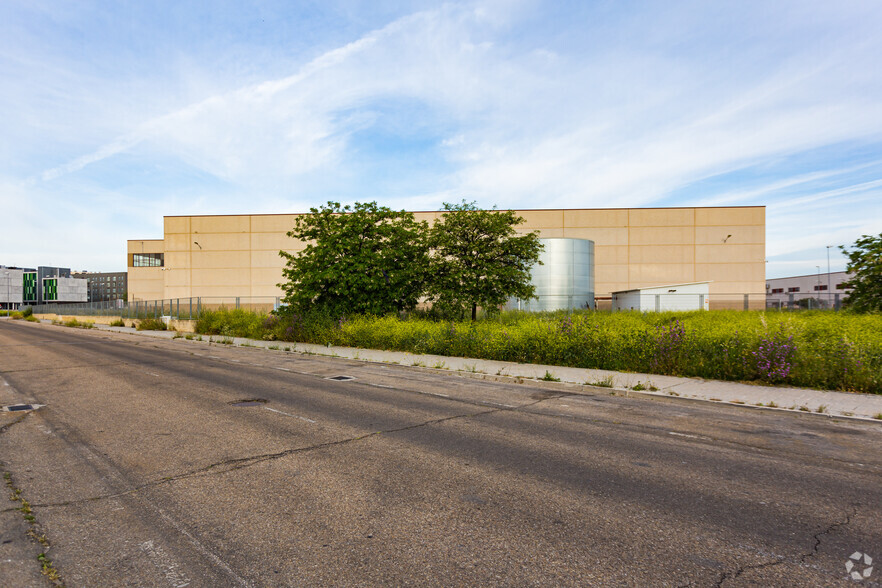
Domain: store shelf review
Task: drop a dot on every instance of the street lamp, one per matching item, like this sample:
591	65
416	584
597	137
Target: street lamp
829	290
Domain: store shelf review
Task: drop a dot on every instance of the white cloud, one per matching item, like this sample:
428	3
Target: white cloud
622	111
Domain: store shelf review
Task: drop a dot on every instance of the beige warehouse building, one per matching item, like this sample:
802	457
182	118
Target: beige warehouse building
238	255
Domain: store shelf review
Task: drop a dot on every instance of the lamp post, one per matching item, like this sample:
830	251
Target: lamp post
829	290
8	295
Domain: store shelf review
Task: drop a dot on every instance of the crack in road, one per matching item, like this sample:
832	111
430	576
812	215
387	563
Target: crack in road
815	548
827	531
230	465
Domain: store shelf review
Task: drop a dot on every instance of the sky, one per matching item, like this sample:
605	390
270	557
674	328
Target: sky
116	113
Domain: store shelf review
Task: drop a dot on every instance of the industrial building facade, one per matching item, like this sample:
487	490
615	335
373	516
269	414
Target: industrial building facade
238	255
46	284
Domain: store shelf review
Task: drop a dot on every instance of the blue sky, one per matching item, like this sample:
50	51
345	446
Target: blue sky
117	113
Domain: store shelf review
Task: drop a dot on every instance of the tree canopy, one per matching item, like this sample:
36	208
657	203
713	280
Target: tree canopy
865	265
358	259
479	259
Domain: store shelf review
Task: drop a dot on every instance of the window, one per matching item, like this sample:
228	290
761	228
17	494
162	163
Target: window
147	260
819	288
777	290
796	289
842	286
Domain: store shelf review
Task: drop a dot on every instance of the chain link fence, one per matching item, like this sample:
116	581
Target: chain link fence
176	308
191	308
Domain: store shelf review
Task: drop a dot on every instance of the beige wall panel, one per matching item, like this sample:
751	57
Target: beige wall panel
179	242
272	223
732	272
729	252
661	235
429	217
265	276
221	224
203	278
268	291
269	258
644	275
660	254
543	233
176	224
611	273
730	287
541	219
755	215
177	278
145	246
145	283
740	235
221	259
222	241
607	288
274	241
173	292
661	217
229	294
610	254
177	260
600	235
595	218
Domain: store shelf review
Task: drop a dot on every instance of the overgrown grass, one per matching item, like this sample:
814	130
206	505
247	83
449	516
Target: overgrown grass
819	349
74	323
151	324
118	323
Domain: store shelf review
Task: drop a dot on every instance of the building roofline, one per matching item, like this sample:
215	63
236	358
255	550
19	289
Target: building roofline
808	275
441	211
661	286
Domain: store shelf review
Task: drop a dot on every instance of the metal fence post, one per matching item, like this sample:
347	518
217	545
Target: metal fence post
747	302
237	303
837	304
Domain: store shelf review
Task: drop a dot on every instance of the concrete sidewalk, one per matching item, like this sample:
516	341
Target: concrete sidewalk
830	403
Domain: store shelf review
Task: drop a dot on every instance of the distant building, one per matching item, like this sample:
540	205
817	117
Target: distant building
104	286
28	286
821	290
10	287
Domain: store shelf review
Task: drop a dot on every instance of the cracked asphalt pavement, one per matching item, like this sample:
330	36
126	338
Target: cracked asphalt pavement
141	470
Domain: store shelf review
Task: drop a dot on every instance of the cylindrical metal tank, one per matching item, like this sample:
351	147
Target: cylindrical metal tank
565	280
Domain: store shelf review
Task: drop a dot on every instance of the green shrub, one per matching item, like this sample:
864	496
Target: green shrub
27	311
118	323
151	324
76	324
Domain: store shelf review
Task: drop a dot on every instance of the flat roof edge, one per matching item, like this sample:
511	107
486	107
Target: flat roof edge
501	208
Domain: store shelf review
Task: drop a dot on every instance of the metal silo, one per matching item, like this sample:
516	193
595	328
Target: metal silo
565	280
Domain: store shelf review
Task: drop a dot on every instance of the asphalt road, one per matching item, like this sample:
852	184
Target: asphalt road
140	471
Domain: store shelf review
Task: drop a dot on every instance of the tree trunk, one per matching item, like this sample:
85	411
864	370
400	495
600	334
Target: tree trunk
474	312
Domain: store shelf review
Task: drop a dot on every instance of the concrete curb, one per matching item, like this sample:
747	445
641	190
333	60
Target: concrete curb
822	403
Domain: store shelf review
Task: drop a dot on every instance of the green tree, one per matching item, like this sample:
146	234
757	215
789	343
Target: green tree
865	265
361	259
479	259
